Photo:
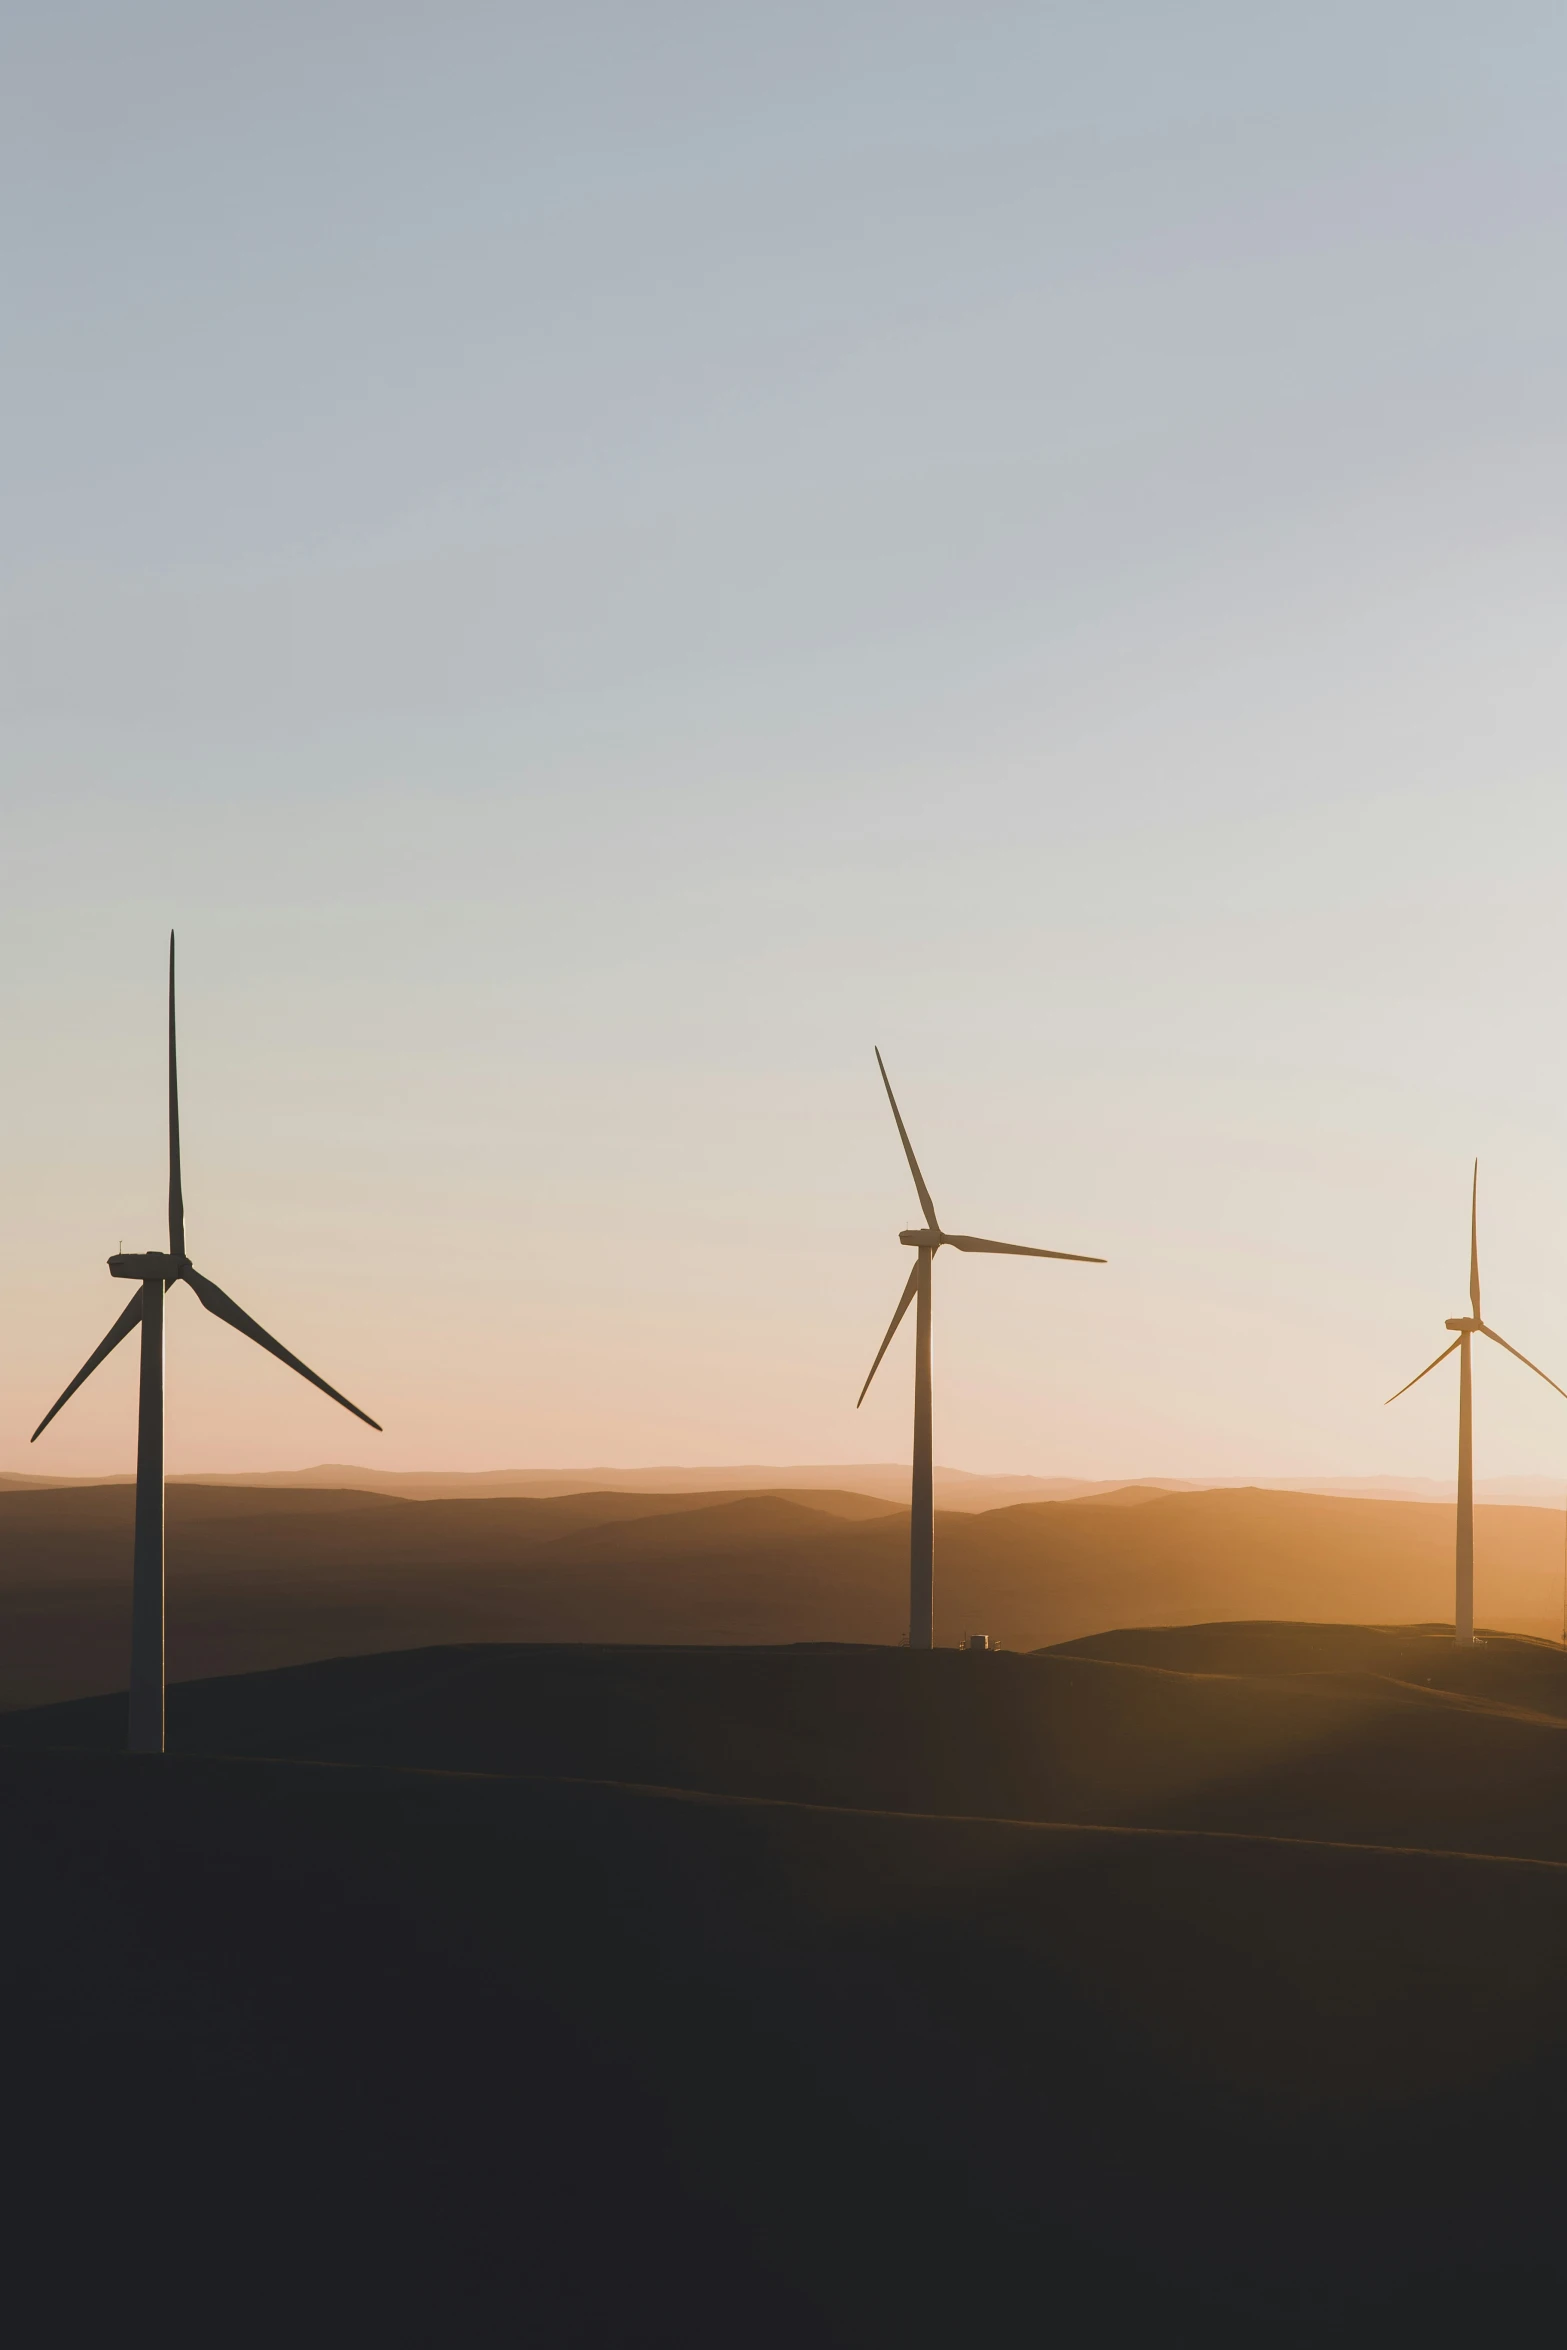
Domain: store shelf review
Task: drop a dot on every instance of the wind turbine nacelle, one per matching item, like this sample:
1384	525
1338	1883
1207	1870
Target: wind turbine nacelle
154	1266
920	1239
1462	1322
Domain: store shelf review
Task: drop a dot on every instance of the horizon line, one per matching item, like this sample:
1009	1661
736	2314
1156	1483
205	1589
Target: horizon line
1302	1480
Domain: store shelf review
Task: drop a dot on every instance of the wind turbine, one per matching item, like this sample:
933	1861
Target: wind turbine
922	1526
1466	1326
156	1273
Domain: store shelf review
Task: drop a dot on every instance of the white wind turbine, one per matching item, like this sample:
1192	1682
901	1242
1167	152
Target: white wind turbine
1467	1325
156	1272
922	1527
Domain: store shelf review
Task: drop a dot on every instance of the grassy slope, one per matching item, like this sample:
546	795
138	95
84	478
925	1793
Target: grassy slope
348	2054
1389	1737
426	2038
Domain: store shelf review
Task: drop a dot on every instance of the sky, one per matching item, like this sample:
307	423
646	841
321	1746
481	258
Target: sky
598	563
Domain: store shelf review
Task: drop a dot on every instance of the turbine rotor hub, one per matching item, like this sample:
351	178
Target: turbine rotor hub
151	1265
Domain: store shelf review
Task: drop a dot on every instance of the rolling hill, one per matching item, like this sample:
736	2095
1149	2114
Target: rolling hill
280	1575
1342	1733
435	2019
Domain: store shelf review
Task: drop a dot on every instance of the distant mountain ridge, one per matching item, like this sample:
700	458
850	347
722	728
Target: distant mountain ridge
956	1489
282	1574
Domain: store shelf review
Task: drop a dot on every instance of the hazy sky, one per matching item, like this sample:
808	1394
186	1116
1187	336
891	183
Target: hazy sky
597	561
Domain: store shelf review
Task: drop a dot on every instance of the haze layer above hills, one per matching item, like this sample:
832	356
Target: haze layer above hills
956	1489
283	1574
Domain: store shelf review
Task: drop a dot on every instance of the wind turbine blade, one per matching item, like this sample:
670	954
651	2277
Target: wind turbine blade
1474	1250
1010	1248
1517	1357
1441	1358
926	1201
216	1302
904	1303
122	1329
176	1188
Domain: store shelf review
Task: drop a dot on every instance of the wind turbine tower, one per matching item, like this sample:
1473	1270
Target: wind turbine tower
925	1241
1469	1326
155	1273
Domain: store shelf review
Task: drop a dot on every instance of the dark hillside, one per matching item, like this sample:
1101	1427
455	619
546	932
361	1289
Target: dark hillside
346	2055
1334	1732
263	1576
1503	1668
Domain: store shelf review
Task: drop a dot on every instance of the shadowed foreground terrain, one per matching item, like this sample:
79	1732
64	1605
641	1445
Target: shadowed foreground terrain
1331	1731
275	1576
425	2021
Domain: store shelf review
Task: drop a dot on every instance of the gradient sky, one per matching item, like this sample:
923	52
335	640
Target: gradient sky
598	561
